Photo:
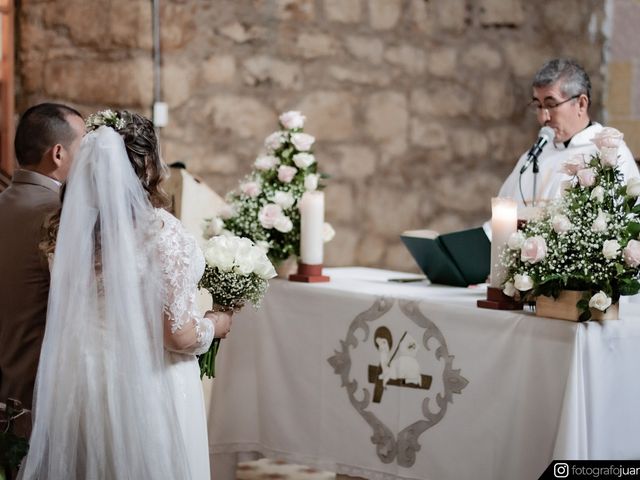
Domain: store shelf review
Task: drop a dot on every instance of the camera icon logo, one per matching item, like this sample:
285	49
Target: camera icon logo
561	470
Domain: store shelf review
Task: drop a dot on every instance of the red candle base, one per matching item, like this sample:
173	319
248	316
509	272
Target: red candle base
309	274
499	301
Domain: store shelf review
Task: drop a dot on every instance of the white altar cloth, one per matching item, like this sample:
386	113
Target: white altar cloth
529	389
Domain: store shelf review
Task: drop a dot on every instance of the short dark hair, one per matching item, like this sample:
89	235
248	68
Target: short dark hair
40	128
572	77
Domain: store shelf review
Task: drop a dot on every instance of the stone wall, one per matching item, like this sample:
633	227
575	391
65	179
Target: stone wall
418	105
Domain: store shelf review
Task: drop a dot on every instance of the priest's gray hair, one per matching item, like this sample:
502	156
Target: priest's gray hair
572	77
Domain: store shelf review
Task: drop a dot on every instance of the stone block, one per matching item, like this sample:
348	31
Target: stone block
370	49
130	23
469	193
384	14
449	15
398	258
360	76
265	69
386	119
389	211
339	202
343	11
177	77
241	117
313	45
469	143
503	12
445	100
572	19
525	59
496	99
123	83
352	162
370	251
341	251
481	56
329	114
410	59
218	70
619	95
236	32
179	25
428	134
72	15
443	62
296	10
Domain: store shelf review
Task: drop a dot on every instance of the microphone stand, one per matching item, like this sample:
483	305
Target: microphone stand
535	179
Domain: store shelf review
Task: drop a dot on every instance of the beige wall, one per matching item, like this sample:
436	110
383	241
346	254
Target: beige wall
418	105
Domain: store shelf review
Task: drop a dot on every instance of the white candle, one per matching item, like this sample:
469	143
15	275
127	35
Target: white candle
311	224
504	221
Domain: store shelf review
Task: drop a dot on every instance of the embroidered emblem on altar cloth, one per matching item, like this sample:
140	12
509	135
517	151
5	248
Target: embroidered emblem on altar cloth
380	375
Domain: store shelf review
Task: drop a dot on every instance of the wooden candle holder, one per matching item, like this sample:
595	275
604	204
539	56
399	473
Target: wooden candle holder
499	301
309	274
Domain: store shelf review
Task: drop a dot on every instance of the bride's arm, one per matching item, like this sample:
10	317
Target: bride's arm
185	339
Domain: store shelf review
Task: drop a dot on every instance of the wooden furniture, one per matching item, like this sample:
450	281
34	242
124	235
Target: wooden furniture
6	89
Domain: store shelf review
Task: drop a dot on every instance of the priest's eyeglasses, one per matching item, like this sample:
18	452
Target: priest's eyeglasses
536	108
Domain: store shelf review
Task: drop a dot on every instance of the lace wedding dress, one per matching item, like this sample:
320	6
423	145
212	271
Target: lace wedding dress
182	266
111	402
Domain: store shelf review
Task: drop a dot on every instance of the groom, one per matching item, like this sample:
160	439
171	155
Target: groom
47	138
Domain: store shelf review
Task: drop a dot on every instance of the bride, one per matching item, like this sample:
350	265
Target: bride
118	393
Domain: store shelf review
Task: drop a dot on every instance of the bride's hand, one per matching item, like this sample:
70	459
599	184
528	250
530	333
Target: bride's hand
221	322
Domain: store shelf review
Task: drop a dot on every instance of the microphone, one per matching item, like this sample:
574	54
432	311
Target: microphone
545	136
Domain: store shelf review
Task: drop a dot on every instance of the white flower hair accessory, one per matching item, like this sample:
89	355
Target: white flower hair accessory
107	118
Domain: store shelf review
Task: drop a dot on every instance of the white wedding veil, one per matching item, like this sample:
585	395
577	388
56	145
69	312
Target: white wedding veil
102	408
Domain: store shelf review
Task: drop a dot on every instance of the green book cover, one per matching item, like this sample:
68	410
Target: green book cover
458	258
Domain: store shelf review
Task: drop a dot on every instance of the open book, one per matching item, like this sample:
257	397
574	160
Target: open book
459	258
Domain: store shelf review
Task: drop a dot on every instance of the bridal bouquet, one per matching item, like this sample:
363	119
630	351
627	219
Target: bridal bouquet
236	271
264	206
587	241
12	447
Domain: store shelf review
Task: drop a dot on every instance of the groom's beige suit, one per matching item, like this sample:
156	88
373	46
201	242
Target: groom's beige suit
24	280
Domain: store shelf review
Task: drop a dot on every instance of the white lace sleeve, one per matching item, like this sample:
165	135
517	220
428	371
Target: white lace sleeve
187	330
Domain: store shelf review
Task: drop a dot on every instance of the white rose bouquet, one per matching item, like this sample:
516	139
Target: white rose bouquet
587	241
236	271
264	207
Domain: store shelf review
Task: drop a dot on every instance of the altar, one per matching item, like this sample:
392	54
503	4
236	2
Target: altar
485	394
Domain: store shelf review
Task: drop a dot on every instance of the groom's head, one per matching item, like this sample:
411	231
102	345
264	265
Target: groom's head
47	138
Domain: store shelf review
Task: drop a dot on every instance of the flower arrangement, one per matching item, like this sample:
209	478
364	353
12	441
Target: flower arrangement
107	118
236	271
586	241
264	206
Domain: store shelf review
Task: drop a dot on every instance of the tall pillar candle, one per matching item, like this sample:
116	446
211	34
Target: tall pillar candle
504	222
311	226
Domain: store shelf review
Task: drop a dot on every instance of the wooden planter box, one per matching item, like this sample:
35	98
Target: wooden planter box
564	307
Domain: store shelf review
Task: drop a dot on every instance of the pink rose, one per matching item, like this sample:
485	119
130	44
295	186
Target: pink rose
302	141
631	253
286	173
250	189
586	177
608	137
292	119
303	160
533	250
573	165
561	223
274	141
266	162
269	215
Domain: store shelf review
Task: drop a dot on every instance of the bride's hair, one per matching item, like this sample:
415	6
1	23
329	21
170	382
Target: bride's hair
143	150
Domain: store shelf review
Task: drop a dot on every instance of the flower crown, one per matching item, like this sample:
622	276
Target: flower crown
108	118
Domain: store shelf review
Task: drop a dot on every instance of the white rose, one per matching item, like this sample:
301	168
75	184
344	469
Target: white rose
311	182
533	250
522	282
268	215
631	253
561	223
217	255
516	239
284	199
303	160
302	141
212	227
597	194
286	173
575	163
264	268
610	249
274	141
327	232
250	189
633	187
283	224
600	223
263	245
509	289
600	301
266	162
292	119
